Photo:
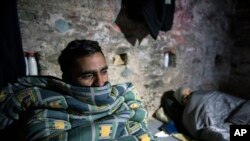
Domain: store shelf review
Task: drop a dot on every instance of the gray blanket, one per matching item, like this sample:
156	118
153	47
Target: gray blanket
208	115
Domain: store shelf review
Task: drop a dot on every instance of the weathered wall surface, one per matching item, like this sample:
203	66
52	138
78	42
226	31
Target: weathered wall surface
198	42
240	64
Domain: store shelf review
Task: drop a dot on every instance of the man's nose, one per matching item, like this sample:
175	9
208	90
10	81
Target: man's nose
99	80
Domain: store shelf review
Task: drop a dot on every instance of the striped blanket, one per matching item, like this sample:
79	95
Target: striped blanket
59	111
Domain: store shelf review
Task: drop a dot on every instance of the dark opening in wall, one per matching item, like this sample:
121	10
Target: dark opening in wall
120	59
169	59
218	60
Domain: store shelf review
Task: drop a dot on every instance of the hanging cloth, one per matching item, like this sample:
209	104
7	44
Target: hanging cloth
157	14
12	64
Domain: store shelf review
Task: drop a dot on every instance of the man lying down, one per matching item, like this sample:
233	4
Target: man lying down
83	106
207	115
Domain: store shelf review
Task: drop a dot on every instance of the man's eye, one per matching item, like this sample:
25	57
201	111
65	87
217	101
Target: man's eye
104	71
87	76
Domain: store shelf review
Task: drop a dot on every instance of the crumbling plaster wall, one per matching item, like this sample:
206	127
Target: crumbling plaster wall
198	39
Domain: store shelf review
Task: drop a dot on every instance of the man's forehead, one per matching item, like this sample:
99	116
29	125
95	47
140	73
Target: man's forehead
94	62
94	70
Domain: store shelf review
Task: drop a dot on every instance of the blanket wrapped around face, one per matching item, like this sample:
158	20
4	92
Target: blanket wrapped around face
59	111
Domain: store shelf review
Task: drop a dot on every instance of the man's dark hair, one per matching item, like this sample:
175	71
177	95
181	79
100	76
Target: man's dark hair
74	50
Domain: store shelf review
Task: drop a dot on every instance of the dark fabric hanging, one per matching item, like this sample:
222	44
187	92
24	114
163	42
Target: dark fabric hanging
157	14
12	63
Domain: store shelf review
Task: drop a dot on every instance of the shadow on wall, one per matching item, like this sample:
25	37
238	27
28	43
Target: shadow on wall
133	28
236	87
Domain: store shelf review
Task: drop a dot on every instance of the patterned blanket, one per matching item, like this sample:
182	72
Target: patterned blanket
59	111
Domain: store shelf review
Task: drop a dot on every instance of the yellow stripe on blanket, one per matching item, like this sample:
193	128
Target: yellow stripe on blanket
144	137
105	131
2	96
55	104
59	125
134	105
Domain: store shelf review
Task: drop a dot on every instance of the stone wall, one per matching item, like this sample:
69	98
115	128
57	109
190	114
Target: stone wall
240	64
198	43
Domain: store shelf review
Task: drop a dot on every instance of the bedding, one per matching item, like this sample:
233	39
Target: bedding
209	114
59	111
241	116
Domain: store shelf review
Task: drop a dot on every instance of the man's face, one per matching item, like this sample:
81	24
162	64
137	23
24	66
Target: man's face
185	95
90	70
